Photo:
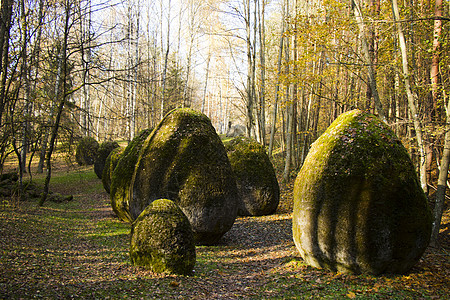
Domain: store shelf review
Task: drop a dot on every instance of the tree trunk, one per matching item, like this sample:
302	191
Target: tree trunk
411	100
26	79
60	79
5	26
205	88
277	87
434	71
289	111
368	60
250	62
166	58
262	38
442	183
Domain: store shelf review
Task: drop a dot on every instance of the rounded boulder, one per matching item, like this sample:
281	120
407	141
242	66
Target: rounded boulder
103	151
255	176
162	239
110	165
86	151
184	160
358	204
122	176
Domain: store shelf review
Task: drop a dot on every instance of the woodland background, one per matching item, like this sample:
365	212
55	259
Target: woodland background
286	69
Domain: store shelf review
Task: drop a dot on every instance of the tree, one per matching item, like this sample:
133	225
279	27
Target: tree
5	27
367	58
411	100
60	97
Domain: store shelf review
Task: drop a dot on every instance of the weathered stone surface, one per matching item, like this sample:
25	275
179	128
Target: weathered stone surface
162	239
236	130
86	151
358	205
102	153
255	176
184	160
122	176
110	165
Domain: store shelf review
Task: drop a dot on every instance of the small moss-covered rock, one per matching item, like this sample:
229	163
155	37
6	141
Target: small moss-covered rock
162	239
102	153
122	175
86	151
255	176
358	205
184	160
110	165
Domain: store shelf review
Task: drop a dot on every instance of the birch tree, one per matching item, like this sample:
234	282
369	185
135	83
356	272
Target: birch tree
411	99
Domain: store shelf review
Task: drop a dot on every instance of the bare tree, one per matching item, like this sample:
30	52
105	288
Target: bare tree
5	27
60	97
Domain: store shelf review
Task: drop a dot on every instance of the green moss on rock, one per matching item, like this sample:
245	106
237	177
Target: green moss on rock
122	176
184	160
86	151
102	153
358	205
110	165
255	176
162	239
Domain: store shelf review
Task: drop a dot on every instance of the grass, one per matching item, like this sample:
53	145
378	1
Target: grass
79	249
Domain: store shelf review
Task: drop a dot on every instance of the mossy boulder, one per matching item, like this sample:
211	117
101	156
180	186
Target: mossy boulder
184	160
358	204
122	176
255	176
162	239
110	165
86	151
102	153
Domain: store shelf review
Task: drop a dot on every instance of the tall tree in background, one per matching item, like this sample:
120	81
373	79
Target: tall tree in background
60	97
368	59
5	27
85	44
410	96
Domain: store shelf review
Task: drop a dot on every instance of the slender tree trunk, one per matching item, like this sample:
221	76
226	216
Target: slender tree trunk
166	58
277	87
442	183
289	112
5	26
60	79
250	62
434	72
411	100
205	88
86	61
135	76
262	38
368	60
26	79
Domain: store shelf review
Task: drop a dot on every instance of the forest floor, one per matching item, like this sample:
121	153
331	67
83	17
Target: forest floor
79	249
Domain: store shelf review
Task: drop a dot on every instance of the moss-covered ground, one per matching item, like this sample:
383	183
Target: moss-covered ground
79	249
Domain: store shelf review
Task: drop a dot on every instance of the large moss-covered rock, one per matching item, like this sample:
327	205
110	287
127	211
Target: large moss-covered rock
358	205
162	239
255	176
102	153
86	151
184	160
122	176
110	165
